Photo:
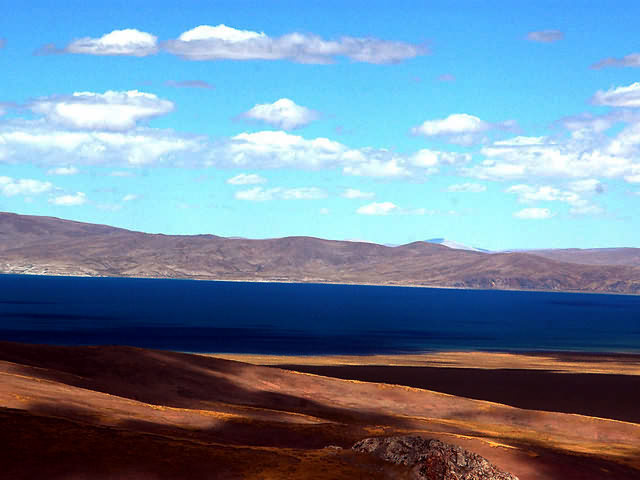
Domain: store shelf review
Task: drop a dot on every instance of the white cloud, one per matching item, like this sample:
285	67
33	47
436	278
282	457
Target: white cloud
283	113
381	208
545	36
63	171
119	42
130	197
278	149
222	42
631	60
454	124
379	164
69	200
588	185
114	111
628	96
460	128
10	187
573	197
259	194
467	187
527	193
431	159
354	193
246	179
587	152
534	213
40	143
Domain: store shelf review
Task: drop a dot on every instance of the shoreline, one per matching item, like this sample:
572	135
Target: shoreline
319	282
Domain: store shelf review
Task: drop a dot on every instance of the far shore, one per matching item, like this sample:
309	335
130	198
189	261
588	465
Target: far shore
320	282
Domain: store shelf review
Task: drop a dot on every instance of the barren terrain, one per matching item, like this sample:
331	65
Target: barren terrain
111	412
51	246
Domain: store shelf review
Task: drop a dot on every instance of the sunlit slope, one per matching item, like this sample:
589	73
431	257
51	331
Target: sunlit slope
44	245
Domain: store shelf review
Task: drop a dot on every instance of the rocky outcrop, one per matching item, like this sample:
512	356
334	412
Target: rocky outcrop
431	459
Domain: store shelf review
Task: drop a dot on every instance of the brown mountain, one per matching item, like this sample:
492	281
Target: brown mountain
593	256
45	245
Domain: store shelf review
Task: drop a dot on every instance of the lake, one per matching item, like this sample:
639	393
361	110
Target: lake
286	318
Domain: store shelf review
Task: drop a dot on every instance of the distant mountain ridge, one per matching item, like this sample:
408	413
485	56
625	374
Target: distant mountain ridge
455	245
47	245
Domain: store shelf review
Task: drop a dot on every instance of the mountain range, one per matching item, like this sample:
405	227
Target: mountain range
53	246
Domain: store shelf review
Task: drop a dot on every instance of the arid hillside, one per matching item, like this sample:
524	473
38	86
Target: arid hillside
122	412
44	245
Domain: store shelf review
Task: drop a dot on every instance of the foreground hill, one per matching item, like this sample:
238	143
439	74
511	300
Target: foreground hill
122	412
45	245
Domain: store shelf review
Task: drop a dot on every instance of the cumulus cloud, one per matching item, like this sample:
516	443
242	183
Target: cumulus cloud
352	193
573	197
10	187
283	113
389	208
129	42
587	152
633	178
278	149
111	110
44	142
246	179
587	123
381	164
588	185
628	96
534	213
130	197
36	142
69	200
431	159
631	60
378	208
63	171
207	42
467	187
460	128
545	36
190	84
259	194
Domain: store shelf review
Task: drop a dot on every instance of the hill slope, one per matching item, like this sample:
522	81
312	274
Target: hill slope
45	245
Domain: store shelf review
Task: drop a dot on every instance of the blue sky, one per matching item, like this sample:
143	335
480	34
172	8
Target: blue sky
500	125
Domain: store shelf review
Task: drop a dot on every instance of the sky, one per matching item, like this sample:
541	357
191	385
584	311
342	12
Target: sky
500	125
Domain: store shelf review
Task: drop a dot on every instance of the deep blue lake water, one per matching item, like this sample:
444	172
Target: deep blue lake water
201	316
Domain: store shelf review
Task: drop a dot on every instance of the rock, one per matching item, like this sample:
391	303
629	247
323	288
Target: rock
431	459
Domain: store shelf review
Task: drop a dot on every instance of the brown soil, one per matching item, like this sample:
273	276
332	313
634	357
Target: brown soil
120	412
